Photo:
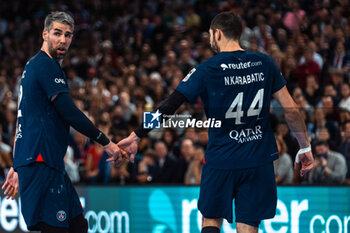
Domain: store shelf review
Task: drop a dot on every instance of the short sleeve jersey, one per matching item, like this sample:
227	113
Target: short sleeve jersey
40	128
236	89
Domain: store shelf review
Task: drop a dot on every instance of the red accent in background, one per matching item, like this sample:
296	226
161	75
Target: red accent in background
40	158
204	160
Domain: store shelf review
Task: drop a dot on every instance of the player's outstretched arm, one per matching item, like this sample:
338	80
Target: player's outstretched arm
65	106
166	107
304	159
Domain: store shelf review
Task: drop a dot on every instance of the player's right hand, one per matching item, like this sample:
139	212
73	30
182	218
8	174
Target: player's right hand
11	184
304	160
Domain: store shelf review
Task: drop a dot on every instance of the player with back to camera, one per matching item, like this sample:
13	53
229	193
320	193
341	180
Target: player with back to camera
236	87
46	109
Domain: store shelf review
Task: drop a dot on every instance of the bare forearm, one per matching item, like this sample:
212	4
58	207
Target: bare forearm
297	126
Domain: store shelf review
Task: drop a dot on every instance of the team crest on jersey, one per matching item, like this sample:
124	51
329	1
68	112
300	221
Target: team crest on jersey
61	215
189	75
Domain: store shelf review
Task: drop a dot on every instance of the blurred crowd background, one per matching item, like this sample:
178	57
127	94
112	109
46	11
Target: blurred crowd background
127	56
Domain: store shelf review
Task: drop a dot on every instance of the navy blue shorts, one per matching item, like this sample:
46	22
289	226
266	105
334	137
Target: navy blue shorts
47	195
254	191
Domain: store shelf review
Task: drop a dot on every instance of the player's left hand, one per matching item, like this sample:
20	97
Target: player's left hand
129	145
304	160
11	184
118	161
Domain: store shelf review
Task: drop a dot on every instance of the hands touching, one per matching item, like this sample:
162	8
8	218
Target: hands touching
117	152
116	155
121	151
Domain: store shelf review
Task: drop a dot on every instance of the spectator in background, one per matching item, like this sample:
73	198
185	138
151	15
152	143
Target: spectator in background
294	18
344	114
328	106
315	55
282	39
127	107
194	170
187	153
71	165
289	64
246	34
345	96
5	165
337	17
3	87
329	167
10	114
344	148
82	146
166	165
94	155
309	67
330	91
292	144
324	135
321	122
192	19
169	137
283	165
3	146
336	79
340	59
146	167
312	91
191	134
262	31
302	103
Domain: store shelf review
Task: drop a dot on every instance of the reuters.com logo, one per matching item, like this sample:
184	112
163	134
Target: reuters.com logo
240	66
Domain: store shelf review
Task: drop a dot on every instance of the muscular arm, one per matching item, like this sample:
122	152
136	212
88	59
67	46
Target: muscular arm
65	106
166	107
293	117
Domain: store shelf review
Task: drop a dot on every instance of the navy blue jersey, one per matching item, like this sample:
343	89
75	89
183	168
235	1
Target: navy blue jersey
40	129
236	88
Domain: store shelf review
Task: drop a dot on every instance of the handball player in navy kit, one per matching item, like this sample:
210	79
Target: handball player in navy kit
49	202
236	87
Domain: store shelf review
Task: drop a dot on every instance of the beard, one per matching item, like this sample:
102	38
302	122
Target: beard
53	52
214	47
